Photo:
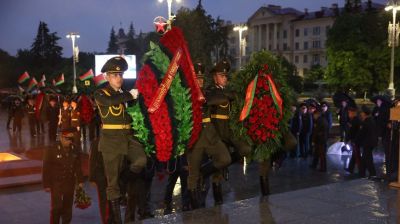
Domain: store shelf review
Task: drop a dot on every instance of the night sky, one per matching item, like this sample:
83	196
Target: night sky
93	19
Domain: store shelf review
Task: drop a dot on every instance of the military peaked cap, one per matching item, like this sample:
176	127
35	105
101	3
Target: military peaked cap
115	65
199	69
221	67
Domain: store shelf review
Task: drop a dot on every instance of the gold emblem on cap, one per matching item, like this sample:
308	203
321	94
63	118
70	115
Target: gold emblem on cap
118	68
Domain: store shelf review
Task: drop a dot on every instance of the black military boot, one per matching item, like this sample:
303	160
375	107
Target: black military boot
217	193
207	169
116	211
264	184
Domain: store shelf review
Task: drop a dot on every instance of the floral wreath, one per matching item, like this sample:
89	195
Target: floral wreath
176	122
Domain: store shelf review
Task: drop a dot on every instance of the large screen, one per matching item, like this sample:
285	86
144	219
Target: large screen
100	60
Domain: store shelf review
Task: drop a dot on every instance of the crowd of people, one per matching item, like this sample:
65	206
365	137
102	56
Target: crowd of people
360	129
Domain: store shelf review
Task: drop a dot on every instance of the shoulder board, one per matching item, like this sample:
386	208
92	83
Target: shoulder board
106	92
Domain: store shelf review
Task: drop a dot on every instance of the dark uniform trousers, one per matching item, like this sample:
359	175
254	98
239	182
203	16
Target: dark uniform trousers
61	171
114	162
208	143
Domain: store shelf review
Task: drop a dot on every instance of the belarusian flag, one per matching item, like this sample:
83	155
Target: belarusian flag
60	80
22	78
21	90
88	75
32	83
248	101
42	83
99	79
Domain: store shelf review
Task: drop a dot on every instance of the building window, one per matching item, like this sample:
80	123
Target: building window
285	47
316	44
305	59
316	59
277	34
297	46
305	31
305	45
284	34
269	47
297	32
296	59
316	30
277	46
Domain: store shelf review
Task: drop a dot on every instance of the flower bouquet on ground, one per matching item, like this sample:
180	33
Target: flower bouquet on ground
82	200
263	108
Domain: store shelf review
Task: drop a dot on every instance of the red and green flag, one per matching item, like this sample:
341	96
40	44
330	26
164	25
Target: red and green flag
248	101
22	78
88	75
32	83
99	79
42	81
60	80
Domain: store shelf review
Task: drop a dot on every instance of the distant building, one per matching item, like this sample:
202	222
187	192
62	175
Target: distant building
298	36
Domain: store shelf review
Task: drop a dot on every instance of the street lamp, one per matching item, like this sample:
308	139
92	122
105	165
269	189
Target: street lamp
393	31
240	29
75	53
169	7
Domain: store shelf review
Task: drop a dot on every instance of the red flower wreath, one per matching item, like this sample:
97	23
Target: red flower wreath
86	109
264	118
172	40
160	121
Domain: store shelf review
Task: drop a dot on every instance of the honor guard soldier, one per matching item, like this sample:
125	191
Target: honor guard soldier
117	142
61	172
208	143
31	110
220	119
65	115
52	117
76	121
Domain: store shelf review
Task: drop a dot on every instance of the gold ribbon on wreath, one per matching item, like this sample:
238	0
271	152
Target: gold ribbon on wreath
166	82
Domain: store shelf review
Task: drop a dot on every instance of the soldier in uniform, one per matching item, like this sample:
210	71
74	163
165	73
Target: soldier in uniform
117	142
61	171
76	121
65	115
220	119
208	143
18	115
52	117
319	138
30	110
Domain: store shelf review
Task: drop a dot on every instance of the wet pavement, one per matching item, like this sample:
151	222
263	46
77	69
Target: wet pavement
299	194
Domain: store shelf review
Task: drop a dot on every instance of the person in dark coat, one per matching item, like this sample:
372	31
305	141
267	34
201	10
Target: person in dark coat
381	114
295	127
65	116
343	119
305	132
61	172
367	139
18	116
31	110
320	137
354	128
52	117
326	113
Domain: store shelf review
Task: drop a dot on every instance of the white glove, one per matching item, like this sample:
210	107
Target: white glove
134	93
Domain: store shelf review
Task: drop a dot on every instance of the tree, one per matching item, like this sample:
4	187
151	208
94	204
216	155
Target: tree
357	52
45	49
112	43
203	33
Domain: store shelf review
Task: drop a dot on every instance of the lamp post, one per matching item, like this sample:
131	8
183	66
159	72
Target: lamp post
393	31
75	53
169	2
240	29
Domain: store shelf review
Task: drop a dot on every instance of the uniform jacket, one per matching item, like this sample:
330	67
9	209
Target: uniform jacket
321	130
61	166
